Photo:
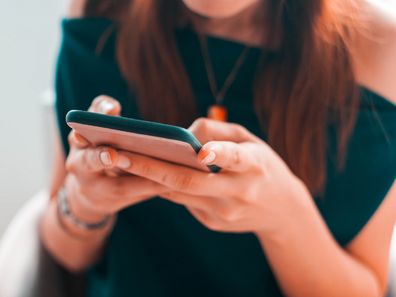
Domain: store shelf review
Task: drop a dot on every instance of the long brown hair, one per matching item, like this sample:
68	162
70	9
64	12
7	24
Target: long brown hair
308	87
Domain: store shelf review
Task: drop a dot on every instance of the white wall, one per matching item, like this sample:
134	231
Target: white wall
29	38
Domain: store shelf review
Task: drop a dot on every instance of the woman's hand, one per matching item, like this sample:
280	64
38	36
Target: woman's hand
94	187
255	191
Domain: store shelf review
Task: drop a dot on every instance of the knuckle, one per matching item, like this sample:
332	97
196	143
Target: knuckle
200	124
262	170
179	181
238	129
248	195
205	219
241	129
212	225
144	168
247	199
227	214
257	165
236	156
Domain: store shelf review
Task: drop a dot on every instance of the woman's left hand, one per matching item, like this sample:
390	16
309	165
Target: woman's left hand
255	191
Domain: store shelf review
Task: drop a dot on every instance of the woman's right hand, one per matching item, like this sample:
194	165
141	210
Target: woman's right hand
93	193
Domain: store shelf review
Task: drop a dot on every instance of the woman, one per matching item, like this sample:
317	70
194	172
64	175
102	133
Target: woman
301	100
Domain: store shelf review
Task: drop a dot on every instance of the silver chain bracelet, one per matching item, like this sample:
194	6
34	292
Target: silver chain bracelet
64	210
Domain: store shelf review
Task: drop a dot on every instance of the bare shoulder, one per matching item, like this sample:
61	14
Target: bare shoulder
374	47
76	8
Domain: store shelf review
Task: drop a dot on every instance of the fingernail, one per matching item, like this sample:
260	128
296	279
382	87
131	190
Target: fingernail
206	157
208	153
105	158
105	106
123	162
209	158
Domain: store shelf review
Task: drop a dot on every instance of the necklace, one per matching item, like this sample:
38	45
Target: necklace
218	111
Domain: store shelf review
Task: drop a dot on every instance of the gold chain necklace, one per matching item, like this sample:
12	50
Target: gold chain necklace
218	111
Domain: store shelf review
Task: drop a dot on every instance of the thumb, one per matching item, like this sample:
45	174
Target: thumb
228	155
206	130
106	105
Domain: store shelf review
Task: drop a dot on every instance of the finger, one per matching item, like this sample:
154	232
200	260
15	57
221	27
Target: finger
106	105
113	194
114	172
228	155
175	177
207	130
124	191
91	160
206	219
77	140
223	210
200	202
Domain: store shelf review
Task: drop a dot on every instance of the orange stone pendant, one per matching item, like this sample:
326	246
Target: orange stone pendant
218	113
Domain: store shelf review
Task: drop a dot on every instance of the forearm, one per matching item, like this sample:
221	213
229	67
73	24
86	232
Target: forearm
307	260
74	252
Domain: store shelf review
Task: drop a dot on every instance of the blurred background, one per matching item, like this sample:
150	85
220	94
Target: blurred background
29	39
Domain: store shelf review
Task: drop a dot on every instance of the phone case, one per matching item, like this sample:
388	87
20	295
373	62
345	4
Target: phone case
166	142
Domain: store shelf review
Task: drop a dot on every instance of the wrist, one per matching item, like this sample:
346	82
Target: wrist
90	225
298	209
82	209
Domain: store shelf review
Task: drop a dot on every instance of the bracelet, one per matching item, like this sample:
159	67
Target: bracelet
64	210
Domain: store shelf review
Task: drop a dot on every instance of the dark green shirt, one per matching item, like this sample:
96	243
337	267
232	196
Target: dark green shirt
157	248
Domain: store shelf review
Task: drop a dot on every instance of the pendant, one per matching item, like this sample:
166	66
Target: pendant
217	112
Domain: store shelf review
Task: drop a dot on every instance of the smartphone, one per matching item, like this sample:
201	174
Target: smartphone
165	142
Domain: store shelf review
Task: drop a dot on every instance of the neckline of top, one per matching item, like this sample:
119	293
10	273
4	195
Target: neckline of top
212	37
220	39
104	21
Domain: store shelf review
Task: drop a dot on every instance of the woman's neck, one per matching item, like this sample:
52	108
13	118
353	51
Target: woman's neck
247	27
